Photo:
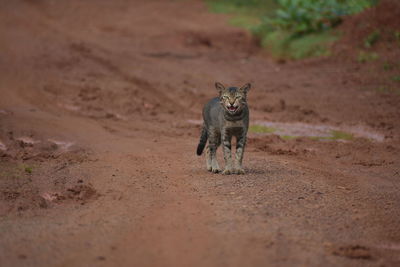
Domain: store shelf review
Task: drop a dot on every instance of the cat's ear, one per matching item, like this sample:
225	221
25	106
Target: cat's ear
220	87
245	88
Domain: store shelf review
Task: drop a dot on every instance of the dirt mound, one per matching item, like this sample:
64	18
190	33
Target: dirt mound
372	35
369	53
381	21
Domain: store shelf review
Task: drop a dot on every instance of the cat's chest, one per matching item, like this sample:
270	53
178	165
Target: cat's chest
234	124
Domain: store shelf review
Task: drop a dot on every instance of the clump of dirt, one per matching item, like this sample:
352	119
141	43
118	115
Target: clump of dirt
31	164
15	199
23	145
353	252
81	192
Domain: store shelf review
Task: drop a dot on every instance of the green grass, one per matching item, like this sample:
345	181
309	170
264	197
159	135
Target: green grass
256	8
245	14
339	135
261	129
244	21
288	137
364	56
283	45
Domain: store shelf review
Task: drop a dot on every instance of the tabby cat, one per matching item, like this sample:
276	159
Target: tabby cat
225	117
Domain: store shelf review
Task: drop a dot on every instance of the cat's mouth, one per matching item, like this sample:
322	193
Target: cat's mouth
232	109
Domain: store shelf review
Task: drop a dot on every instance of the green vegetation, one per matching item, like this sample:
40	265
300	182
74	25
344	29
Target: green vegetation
246	13
28	169
304	16
283	45
387	66
339	135
293	29
396	78
261	129
14	171
364	56
397	36
372	38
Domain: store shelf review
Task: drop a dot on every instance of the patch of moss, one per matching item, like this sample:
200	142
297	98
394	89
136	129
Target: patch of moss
339	135
261	129
288	137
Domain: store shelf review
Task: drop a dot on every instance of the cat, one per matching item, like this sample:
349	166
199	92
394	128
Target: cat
225	117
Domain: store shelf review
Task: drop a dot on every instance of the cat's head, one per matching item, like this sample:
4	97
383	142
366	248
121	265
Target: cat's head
233	99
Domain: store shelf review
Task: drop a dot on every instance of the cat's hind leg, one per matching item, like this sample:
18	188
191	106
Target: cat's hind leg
208	159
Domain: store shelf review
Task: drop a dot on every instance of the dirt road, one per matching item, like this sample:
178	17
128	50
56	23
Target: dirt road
99	110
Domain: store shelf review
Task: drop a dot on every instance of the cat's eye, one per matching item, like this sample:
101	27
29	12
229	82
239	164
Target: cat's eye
238	97
224	97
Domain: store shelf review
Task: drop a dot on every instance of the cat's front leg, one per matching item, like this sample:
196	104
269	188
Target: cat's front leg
226	144
241	143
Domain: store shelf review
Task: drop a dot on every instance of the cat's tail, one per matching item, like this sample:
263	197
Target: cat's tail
203	140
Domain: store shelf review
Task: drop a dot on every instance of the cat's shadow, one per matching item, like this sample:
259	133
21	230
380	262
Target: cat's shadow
248	171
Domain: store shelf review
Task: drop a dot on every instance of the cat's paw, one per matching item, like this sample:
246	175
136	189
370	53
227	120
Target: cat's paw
227	172
215	170
239	171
